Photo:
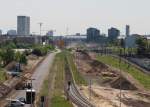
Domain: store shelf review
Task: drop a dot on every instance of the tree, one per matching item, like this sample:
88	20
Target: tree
23	59
7	55
141	46
17	56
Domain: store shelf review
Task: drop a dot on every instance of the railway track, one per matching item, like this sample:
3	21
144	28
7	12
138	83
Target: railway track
72	91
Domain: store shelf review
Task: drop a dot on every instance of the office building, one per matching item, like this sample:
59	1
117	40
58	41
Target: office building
113	34
12	32
127	30
93	34
0	32
130	41
23	26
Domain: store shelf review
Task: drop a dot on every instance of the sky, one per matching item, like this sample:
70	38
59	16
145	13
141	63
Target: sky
77	15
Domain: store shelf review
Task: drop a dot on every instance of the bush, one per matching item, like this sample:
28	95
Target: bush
7	55
42	50
23	59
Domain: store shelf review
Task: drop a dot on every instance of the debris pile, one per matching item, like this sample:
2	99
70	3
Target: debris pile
4	90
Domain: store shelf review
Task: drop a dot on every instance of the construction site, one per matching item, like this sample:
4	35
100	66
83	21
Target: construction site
108	86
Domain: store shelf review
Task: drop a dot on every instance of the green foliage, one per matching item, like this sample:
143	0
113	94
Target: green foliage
60	101
7	55
21	58
14	45
3	75
42	50
8	44
141	46
17	56
27	52
24	46
143	78
56	79
77	76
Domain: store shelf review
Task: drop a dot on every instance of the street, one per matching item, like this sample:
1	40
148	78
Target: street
39	75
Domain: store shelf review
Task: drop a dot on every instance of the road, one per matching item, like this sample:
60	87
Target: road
39	75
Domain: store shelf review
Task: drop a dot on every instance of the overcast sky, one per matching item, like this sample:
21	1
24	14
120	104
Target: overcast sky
78	15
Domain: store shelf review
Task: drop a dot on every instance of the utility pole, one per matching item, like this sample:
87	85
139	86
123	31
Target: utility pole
40	27
31	90
90	88
120	75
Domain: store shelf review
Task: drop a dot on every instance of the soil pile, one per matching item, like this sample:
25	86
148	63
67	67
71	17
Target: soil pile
122	83
83	55
4	90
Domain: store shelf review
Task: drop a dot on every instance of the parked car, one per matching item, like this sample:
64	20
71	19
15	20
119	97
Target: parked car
22	100
15	103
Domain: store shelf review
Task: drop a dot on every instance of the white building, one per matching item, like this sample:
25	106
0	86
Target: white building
12	32
23	26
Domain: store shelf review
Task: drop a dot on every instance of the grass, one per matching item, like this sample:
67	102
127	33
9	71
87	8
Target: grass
141	77
44	91
77	76
58	99
3	75
58	69
56	78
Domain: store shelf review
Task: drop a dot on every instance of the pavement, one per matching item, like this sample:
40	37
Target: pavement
39	76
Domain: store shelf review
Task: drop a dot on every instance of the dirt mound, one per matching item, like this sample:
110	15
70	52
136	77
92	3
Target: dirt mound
3	90
83	55
135	103
123	83
101	69
11	66
98	64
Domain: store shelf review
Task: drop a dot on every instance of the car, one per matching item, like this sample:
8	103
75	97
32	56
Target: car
22	100
14	74
15	103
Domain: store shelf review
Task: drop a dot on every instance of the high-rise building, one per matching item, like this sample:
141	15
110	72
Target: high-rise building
23	26
92	34
127	30
113	34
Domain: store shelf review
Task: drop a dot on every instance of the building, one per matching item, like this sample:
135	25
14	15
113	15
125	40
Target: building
93	34
50	33
0	32
130	41
127	30
113	34
23	26
12	33
28	39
